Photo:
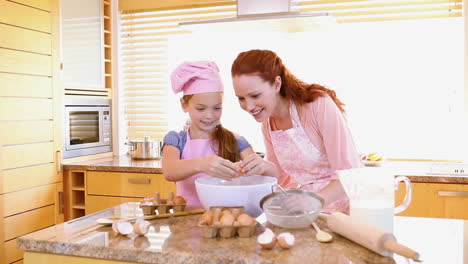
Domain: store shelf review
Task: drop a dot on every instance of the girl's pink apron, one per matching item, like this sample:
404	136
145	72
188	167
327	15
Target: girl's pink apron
194	148
302	161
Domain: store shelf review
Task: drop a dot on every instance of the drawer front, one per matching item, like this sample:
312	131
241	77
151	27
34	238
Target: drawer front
98	203
12	253
25	223
17	38
424	202
29	177
13	108
16	156
25	200
127	184
25	17
455	198
19	132
436	200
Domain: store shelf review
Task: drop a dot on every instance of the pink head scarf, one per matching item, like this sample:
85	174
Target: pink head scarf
196	77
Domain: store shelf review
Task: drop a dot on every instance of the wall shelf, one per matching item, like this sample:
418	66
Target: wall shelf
107	15
75	194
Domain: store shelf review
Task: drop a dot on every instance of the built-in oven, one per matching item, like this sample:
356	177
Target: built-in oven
87	127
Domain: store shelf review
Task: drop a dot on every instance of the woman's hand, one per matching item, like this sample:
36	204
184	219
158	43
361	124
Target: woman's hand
253	164
218	167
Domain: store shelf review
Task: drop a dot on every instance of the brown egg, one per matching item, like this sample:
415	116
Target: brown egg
206	218
286	240
141	227
226	211
122	227
227	220
240	169
236	212
267	239
245	220
179	200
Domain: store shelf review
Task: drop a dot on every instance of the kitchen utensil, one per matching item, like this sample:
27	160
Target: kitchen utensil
145	149
375	239
371	191
321	235
110	220
246	191
307	207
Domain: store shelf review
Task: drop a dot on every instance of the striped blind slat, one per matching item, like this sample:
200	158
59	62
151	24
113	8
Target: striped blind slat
142	134
185	13
145	35
133	56
416	10
149	128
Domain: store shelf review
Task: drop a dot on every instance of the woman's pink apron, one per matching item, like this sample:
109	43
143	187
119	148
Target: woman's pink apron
194	148
302	161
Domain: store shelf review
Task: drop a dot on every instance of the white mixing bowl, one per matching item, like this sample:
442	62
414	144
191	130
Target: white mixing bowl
244	191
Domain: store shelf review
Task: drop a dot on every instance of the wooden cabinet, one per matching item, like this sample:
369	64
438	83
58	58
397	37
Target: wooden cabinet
87	192
127	184
75	193
30	121
108	36
87	47
436	200
82	44
107	189
97	203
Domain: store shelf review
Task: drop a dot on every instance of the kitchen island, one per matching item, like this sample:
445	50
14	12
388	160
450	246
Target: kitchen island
179	240
438	196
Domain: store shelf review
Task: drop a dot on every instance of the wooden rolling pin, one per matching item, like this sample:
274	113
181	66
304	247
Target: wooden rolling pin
367	236
158	216
191	212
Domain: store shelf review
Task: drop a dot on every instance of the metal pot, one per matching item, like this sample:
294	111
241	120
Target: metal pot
145	149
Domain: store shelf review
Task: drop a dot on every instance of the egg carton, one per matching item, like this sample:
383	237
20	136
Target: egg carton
227	231
162	206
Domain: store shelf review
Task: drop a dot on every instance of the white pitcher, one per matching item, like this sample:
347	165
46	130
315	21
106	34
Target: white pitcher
371	192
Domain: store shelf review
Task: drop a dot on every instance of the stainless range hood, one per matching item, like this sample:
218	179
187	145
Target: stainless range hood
279	13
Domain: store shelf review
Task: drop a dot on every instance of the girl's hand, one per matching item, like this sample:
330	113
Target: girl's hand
253	164
218	167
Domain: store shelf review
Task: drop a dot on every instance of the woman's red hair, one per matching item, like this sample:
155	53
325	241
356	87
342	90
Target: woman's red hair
267	65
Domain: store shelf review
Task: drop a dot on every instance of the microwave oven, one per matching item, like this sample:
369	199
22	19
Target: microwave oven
87	127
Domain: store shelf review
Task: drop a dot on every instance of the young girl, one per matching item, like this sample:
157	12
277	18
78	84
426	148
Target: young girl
205	147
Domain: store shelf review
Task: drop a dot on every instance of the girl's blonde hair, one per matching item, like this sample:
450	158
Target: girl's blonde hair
227	141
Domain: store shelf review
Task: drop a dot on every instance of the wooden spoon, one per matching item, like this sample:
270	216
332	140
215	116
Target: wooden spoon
321	235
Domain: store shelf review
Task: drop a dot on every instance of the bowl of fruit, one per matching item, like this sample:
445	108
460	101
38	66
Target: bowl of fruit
373	159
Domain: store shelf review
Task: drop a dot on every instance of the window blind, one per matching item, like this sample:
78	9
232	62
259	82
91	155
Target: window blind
144	56
144	76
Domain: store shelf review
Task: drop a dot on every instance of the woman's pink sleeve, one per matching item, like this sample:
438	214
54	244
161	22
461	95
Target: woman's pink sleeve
336	137
284	179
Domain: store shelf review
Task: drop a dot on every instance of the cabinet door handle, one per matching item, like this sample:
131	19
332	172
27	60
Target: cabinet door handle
452	193
140	181
58	161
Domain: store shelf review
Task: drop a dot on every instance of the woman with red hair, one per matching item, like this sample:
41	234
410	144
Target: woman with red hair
303	126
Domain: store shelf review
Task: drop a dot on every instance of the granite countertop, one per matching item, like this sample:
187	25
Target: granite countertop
179	240
125	163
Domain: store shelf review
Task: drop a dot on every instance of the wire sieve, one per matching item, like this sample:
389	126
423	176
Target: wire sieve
291	208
